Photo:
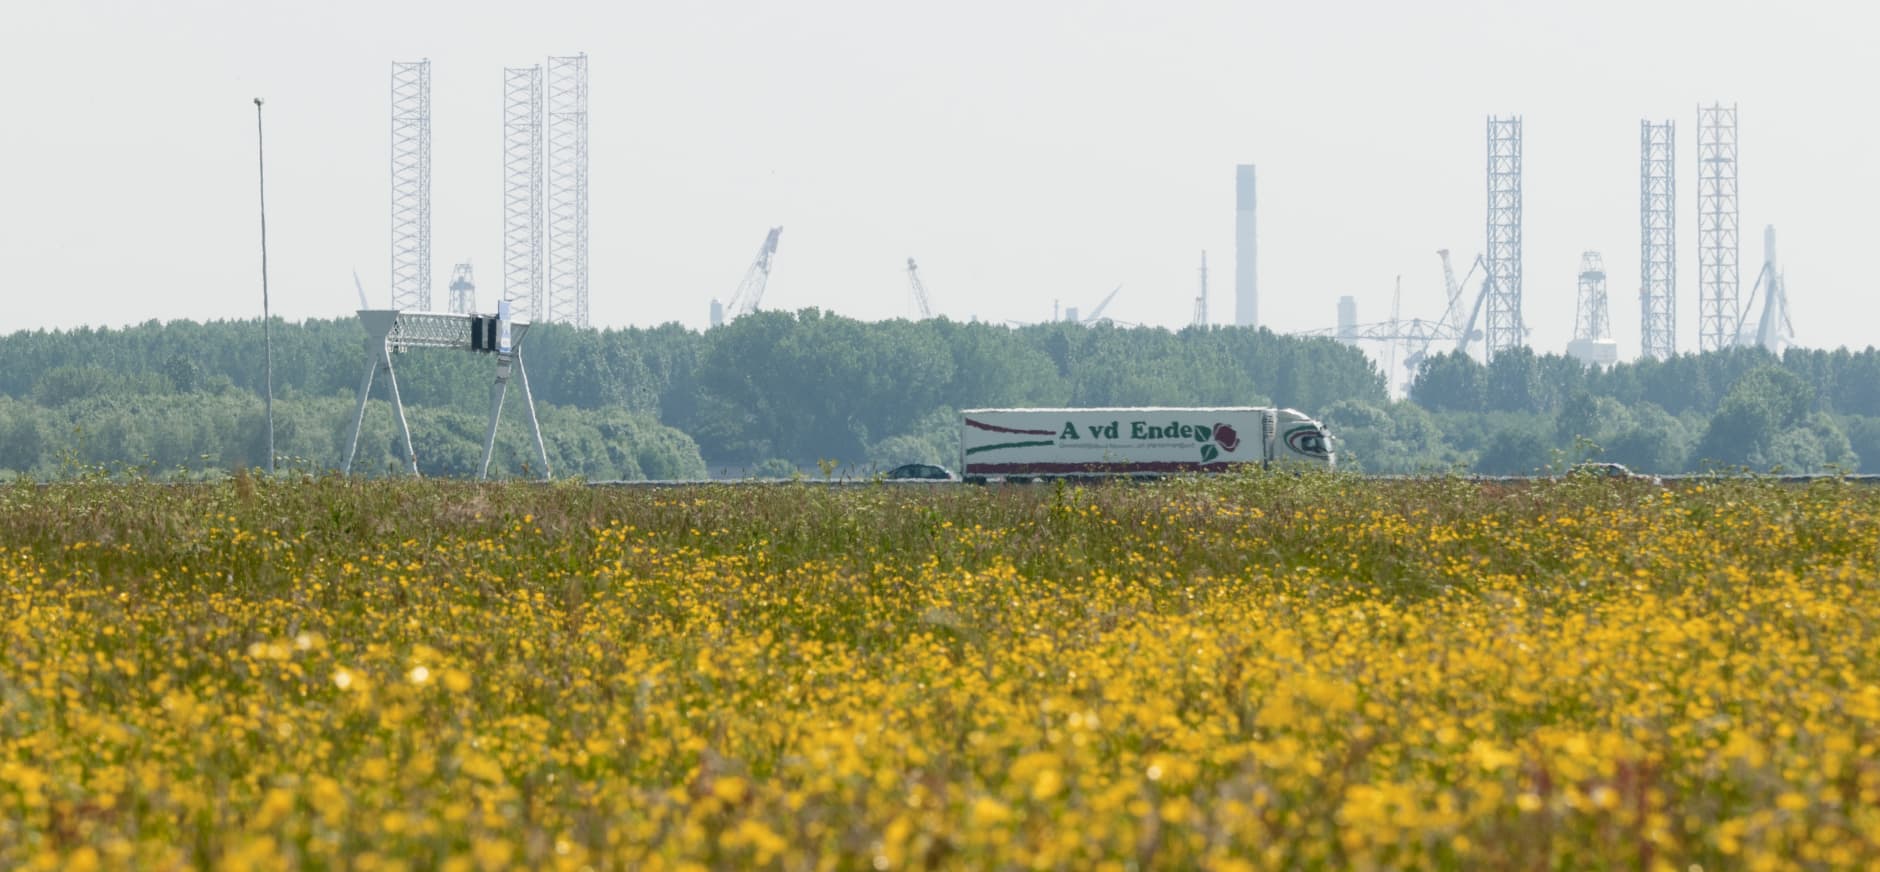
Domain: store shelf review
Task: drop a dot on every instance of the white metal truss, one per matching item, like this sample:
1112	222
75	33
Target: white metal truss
567	191
390	331
1505	329
1590	321
1718	288
522	191
1658	240
411	184
463	289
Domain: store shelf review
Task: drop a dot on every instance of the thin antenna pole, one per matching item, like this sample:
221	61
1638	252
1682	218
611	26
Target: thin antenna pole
267	332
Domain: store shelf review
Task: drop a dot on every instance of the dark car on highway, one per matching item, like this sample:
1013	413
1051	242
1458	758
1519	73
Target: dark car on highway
921	472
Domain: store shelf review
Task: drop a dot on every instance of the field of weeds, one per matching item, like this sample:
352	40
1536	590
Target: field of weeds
1266	672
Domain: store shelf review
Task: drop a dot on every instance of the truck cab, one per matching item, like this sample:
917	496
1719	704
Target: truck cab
1293	437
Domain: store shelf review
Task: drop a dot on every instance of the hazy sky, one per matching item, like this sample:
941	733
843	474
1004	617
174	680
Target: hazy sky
1021	151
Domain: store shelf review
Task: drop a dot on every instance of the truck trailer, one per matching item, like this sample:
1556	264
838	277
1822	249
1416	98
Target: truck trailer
1026	444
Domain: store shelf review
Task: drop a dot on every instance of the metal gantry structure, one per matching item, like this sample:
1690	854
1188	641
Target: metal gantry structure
1658	240
411	185
567	195
390	332
1505	329
1592	328
919	288
522	191
1590	321
1718	303
463	289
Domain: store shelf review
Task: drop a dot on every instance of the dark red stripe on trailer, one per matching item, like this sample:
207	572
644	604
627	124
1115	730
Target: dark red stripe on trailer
1055	468
998	429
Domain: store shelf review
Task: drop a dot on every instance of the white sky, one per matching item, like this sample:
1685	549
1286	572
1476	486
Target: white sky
1022	152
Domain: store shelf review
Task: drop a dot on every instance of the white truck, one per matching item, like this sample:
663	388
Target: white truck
1025	444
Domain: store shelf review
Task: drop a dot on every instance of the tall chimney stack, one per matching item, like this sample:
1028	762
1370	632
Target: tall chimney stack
1246	251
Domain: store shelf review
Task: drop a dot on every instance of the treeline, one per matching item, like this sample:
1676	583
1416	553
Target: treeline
775	392
191	434
1804	411
766	394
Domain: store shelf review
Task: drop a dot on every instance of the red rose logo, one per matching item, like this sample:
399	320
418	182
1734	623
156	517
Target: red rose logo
1227	437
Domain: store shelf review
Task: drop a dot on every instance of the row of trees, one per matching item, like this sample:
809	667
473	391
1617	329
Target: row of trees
196	433
1739	408
1843	381
775	391
769	386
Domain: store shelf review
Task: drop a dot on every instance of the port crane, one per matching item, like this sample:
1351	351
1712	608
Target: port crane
920	289
1097	313
1773	329
1420	335
750	291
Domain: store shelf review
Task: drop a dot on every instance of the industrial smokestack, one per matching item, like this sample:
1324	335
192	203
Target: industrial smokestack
1348	320
1246	251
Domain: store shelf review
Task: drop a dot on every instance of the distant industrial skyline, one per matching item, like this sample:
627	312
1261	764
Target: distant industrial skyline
1023	154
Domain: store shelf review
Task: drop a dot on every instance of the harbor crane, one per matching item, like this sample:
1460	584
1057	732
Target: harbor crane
750	292
920	289
1097	313
1070	313
1420	335
1465	332
1773	329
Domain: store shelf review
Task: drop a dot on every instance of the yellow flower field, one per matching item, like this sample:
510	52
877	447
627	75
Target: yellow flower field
1256	673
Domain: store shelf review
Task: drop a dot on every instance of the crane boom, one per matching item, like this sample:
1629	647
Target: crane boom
1396	310
1098	311
1450	286
1468	330
1773	330
920	289
1450	326
751	291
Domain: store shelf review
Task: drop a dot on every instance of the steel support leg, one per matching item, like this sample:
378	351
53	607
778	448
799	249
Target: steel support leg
497	389
398	406
359	414
528	399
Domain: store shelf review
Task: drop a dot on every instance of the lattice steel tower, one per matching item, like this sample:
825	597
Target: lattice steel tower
411	185
1658	240
522	192
1505	328
1718	304
567	191
1590	320
463	289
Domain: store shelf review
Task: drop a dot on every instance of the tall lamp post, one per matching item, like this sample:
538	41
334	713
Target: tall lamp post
267	333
